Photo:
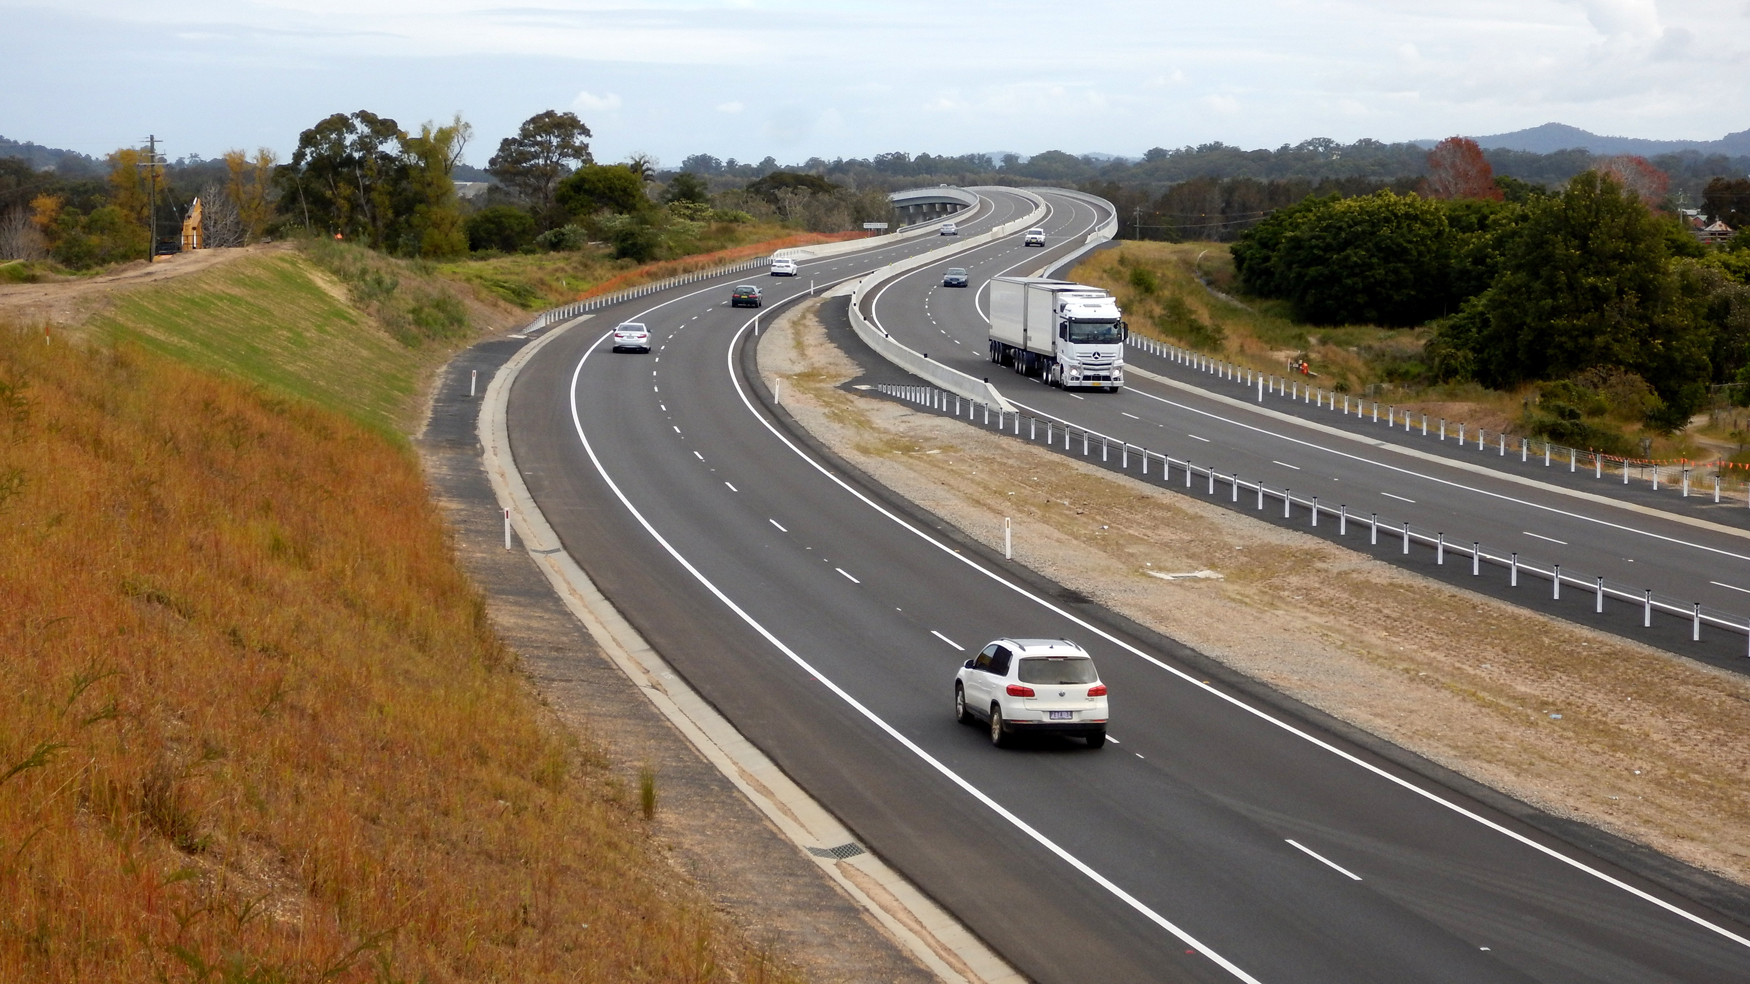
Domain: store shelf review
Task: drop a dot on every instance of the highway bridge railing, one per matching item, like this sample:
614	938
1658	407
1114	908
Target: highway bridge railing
1150	464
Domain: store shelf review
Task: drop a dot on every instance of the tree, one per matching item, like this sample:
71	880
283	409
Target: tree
546	148
248	189
1585	283
434	224
595	187
1458	169
687	187
1378	259
769	186
505	228
701	164
1727	200
1639	176
343	177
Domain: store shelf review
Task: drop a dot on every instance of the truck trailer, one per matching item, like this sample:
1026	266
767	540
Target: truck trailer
1067	334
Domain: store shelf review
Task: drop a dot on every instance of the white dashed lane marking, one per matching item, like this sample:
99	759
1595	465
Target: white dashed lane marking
774	522
947	640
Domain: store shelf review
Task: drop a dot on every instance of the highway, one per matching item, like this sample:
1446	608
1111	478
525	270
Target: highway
1630	543
1223	837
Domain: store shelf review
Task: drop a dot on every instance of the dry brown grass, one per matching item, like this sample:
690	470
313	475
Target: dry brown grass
255	726
1647	744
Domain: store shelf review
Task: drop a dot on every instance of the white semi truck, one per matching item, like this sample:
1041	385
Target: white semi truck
1067	334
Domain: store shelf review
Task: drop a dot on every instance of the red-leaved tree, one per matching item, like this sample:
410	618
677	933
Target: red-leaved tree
1458	169
1638	175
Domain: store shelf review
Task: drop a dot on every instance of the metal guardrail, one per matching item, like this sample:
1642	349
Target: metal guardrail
1503	444
572	310
1130	458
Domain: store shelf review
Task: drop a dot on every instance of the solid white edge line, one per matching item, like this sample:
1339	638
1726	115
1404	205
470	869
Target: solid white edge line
844	695
947	640
1434	478
1264	715
1314	854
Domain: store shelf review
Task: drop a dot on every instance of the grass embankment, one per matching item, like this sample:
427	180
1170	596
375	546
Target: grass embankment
542	280
254	723
334	324
1161	288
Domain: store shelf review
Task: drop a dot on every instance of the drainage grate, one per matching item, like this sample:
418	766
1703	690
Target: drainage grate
840	852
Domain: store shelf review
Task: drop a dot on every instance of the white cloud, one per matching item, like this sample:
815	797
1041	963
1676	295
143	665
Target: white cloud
1246	72
593	103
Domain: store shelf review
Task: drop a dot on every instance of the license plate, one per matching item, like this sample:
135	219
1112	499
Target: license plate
1061	715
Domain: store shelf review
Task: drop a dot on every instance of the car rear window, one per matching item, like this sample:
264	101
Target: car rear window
1050	670
956	272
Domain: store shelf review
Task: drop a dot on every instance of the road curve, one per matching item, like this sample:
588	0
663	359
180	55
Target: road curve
1226	836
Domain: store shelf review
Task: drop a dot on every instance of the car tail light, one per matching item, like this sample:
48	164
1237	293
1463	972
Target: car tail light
1097	690
1018	690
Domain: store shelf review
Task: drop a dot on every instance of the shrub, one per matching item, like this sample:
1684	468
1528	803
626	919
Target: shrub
505	228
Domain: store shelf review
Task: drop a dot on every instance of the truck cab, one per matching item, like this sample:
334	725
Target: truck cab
1090	342
1066	334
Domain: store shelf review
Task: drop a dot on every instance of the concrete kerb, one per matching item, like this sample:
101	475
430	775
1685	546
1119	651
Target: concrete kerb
932	935
952	380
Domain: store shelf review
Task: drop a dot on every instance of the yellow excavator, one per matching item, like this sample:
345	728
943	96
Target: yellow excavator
191	227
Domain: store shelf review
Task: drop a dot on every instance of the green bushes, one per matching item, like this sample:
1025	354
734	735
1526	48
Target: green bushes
504	228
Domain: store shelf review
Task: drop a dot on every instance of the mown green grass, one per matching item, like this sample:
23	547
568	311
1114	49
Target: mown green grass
270	321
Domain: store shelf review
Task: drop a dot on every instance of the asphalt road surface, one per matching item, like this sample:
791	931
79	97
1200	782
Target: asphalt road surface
1221	837
1632	549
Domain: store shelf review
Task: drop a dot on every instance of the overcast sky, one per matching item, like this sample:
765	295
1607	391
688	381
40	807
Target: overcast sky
794	80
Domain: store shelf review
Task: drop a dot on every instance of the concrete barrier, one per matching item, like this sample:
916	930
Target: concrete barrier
970	199
952	380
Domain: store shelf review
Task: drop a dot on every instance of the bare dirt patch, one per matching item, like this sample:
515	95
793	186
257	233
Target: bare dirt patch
1583	725
72	301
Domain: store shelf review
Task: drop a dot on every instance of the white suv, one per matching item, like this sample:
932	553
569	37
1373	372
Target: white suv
1032	685
783	266
631	335
1034	237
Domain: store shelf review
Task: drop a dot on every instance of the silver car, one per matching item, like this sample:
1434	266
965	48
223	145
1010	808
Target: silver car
631	337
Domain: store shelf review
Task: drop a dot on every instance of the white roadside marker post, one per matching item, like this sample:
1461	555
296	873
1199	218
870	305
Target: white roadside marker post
473	380
507	529
1008	540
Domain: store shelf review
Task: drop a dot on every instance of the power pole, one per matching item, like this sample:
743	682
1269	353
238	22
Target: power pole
151	166
1137	222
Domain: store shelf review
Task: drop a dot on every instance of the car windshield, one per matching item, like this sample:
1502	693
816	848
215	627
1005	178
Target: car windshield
1052	670
631	328
956	272
1094	332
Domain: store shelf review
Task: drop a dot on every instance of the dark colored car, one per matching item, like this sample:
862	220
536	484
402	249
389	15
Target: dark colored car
955	277
746	295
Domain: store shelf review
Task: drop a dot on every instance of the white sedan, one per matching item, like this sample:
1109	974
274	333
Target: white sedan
631	337
1032	685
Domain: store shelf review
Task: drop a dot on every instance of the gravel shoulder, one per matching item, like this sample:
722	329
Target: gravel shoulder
1592	730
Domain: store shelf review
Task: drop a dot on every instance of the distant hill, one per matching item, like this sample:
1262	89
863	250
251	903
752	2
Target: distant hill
49	158
1552	137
